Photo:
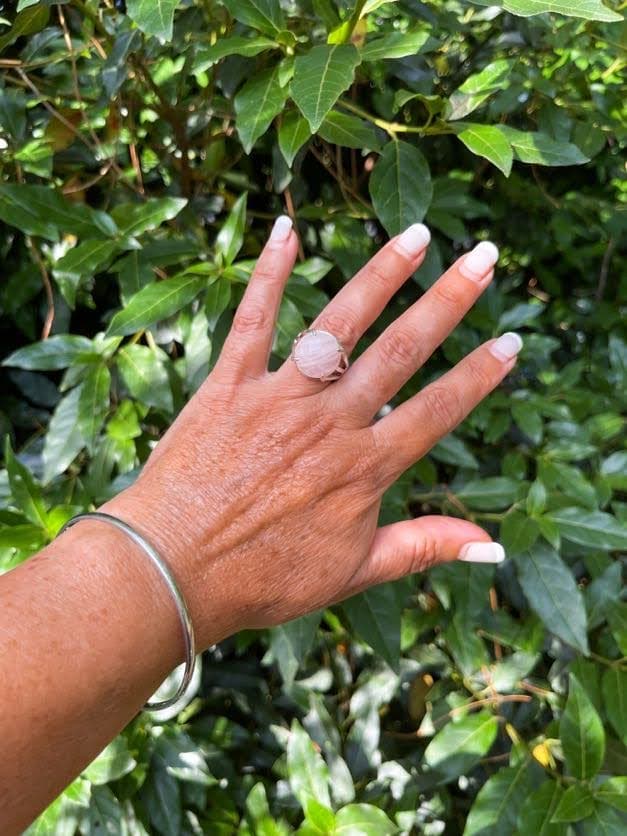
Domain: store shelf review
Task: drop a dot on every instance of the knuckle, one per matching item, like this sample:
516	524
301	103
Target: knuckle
443	404
479	374
399	347
447	295
250	317
424	554
264	273
377	274
342	324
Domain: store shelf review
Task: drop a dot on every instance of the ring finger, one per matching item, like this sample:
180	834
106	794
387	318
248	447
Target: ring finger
361	301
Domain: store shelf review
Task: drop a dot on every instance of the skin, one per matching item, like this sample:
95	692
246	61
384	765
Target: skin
263	497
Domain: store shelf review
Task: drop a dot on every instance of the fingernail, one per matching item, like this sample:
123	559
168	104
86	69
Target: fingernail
413	240
507	346
482	553
480	261
281	229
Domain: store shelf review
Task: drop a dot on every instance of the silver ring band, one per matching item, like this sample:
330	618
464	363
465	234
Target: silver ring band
173	588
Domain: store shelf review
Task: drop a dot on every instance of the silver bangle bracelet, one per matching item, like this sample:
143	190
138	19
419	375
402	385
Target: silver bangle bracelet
175	592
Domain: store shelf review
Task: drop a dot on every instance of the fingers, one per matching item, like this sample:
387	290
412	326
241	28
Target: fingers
415	545
360	302
248	344
407	433
409	341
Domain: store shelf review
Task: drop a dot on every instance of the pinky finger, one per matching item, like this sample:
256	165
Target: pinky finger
413	428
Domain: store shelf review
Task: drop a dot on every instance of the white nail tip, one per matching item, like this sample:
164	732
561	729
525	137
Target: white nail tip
507	346
281	229
414	239
480	261
482	553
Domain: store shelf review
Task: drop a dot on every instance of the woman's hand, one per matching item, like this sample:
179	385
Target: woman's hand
265	492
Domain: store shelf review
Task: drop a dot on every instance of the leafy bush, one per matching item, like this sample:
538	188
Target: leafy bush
145	154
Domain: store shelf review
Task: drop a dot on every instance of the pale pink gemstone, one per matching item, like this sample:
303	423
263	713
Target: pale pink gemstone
317	354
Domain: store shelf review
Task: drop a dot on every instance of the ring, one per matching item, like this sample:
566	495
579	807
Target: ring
319	355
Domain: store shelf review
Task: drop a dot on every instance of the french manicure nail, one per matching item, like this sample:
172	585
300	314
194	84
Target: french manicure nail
480	261
413	240
281	229
507	346
482	553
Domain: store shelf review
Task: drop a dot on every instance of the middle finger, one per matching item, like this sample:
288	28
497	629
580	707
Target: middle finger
409	341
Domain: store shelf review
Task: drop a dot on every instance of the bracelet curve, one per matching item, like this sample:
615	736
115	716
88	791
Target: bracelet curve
175	592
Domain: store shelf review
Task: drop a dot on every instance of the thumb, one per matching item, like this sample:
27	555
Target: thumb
415	545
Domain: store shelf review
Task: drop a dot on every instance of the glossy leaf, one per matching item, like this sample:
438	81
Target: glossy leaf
581	733
235	45
553	594
155	302
457	747
93	403
343	129
613	792
400	186
256	105
499	801
264	15
136	218
595	529
112	763
614	686
394	45
293	134
57	352
64	440
291	641
307	772
537	811
588	9
375	615
231	236
477	88
487	141
363	820
320	77
541	149
82	261
154	17
144	372
575	804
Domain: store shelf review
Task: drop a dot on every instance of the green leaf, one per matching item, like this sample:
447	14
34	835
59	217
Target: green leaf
265	15
343	129
613	792
541	149
581	733
400	186
493	493
394	45
63	441
293	134
235	45
105	815
376	616
459	746
307	772
135	218
39	210
26	492
153	17
112	763
144	371
57	352
588	9
217	300
231	236
320	77
256	105
604	821
595	529
577	803
93	403
478	87
154	303
27	22
84	260
290	642
495	810
614	687
528	420
553	594
362	820
487	141
537	811
452	450
603	590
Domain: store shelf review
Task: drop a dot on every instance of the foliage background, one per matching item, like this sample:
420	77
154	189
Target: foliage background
144	156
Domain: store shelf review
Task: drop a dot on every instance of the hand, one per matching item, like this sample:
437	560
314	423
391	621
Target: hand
265	492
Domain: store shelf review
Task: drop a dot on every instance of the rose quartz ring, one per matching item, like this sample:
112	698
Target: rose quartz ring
320	355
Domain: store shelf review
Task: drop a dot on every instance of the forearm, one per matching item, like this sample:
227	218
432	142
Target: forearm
88	633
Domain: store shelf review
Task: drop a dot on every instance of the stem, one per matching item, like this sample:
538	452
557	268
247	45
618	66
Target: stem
393	128
353	21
